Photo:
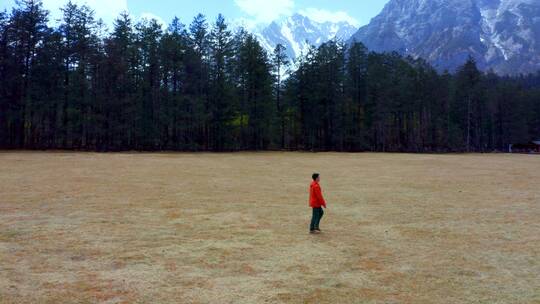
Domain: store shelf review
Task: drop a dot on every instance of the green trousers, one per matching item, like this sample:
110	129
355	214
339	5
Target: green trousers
316	218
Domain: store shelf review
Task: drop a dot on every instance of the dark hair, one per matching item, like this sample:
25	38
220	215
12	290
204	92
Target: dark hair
315	176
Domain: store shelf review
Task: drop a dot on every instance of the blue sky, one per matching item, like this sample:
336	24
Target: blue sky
248	12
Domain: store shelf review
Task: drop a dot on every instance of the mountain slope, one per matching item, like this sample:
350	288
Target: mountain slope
503	35
297	32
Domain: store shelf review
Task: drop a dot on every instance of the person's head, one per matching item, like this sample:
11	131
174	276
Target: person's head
316	177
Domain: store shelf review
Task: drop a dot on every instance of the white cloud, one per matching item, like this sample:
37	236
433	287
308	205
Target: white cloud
150	16
266	10
321	15
247	24
108	10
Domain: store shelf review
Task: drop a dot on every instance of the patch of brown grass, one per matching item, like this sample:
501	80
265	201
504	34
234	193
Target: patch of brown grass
232	228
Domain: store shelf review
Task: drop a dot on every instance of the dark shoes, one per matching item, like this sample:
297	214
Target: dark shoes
316	231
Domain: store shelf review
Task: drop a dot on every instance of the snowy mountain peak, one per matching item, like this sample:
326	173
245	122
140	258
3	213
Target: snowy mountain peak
503	35
298	32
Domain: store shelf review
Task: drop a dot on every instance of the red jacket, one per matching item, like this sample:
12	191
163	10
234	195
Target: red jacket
316	199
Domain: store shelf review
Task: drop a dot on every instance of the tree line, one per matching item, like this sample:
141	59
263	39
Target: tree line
204	87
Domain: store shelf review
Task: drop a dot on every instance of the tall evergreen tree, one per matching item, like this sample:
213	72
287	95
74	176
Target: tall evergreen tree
149	117
280	62
177	111
197	77
256	88
78	30
121	86
468	99
5	71
357	120
26	32
221	107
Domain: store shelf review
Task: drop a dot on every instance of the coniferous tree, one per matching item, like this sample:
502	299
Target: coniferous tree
148	106
121	86
467	100
177	114
5	69
26	31
356	118
256	92
197	77
280	63
221	107
78	31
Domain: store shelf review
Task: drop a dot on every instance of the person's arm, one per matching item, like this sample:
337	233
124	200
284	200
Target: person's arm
320	197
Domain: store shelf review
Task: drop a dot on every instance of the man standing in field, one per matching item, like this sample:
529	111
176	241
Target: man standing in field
316	202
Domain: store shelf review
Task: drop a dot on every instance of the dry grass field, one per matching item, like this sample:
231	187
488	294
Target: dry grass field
233	228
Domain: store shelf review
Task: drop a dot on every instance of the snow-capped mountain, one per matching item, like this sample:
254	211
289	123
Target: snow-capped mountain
298	32
503	35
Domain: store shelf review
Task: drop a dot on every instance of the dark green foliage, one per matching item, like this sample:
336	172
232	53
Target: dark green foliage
220	103
205	88
384	102
256	111
280	63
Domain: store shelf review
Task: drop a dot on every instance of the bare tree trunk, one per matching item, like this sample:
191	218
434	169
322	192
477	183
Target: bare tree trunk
468	124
